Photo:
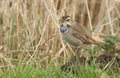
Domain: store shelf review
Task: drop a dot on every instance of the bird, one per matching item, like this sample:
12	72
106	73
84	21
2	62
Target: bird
76	34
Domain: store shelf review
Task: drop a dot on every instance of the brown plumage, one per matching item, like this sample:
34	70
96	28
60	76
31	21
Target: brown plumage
76	34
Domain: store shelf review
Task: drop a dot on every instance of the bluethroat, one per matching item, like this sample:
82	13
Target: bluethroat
76	34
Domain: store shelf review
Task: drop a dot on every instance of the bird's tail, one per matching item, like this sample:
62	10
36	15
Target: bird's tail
100	44
98	41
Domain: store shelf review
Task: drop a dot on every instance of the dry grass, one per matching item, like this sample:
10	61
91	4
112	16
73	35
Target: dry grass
29	29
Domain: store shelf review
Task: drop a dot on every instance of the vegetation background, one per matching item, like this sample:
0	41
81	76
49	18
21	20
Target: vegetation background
29	32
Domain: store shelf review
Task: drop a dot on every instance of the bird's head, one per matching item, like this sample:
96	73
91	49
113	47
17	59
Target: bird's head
65	24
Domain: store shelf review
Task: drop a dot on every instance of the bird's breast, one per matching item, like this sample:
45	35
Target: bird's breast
70	39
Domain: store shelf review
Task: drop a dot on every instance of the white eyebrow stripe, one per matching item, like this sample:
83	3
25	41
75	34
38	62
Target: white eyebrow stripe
68	18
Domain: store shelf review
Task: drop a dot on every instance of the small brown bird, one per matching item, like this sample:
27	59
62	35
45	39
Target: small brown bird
76	34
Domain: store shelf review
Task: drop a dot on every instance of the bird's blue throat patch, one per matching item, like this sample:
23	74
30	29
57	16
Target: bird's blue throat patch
63	29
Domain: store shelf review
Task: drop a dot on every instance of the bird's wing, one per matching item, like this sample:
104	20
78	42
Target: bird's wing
80	33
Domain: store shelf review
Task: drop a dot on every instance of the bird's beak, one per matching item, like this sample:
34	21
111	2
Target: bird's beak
63	29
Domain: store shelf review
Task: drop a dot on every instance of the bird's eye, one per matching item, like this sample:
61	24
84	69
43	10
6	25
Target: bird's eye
61	25
68	25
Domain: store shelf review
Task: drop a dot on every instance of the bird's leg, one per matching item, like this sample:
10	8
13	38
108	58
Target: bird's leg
78	49
77	55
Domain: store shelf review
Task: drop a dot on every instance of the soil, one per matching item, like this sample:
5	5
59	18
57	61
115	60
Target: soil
107	60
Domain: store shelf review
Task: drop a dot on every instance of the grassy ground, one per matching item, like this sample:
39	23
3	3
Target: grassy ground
53	72
29	33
